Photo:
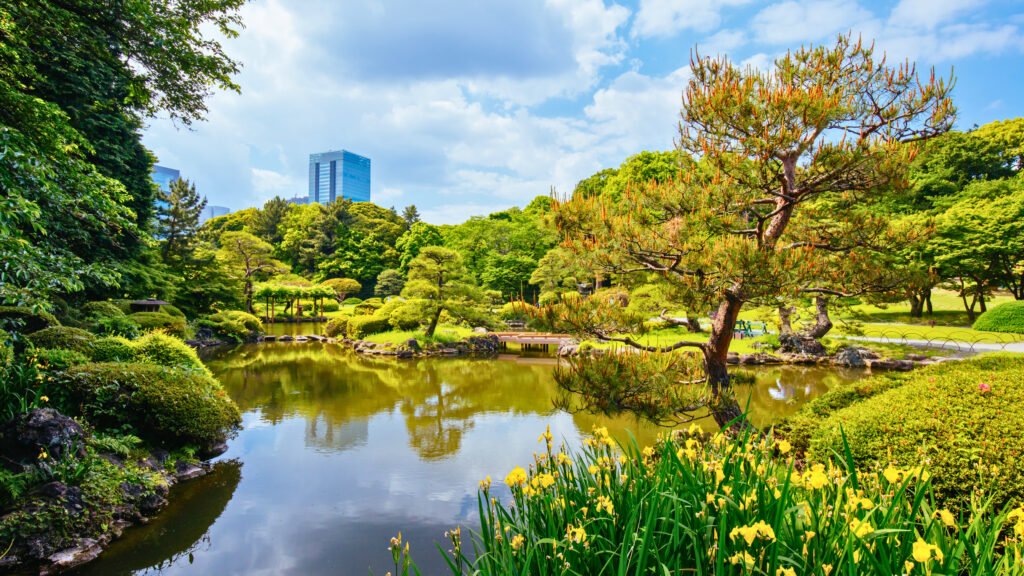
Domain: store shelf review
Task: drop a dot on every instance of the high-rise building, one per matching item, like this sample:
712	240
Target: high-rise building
213	212
298	200
163	176
338	174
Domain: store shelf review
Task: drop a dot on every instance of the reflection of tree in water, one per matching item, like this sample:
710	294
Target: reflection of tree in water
179	531
332	388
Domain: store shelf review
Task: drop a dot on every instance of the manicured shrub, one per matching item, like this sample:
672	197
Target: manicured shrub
331	306
160	321
692	505
233	325
407	316
63	337
166	350
522	311
24	320
963	418
162	405
352	301
799	427
336	327
374	301
101	309
113	349
114	326
367	307
1008	317
172	310
58	358
360	326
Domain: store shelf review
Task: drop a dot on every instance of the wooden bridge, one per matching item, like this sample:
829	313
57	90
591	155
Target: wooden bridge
528	340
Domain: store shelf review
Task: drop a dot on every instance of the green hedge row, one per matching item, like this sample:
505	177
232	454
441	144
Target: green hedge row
1008	317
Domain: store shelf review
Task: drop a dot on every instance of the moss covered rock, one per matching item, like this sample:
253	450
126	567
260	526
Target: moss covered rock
168	351
113	349
25	320
173	325
233	325
63	337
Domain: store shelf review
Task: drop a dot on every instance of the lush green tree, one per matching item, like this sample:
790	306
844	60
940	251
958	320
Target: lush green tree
825	125
248	259
342	287
304	241
206	284
237	221
179	220
594	185
389	283
439	282
267	222
411	215
365	244
418	236
509	274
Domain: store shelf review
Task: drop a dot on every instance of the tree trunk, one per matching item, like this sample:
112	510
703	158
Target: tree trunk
433	323
785	322
916	305
693	322
248	296
723	406
981	299
928	300
822	323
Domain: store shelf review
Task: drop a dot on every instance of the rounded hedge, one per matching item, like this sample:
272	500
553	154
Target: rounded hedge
160	321
113	349
352	301
63	337
962	419
163	405
331	306
336	327
59	359
367	307
102	309
25	320
233	325
168	351
359	326
405	317
172	310
1008	317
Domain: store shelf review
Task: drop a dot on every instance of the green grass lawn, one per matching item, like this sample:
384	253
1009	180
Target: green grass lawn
925	332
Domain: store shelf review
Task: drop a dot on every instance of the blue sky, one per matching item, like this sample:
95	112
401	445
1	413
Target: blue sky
469	107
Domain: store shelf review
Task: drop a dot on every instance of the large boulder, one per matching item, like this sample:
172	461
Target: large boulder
800	344
853	357
41	430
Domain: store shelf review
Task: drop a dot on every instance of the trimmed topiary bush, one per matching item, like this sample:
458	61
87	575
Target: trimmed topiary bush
59	359
233	325
360	326
367	308
331	306
166	350
113	349
159	321
405	317
1008	317
63	337
961	418
162	405
24	320
336	327
352	301
172	310
101	309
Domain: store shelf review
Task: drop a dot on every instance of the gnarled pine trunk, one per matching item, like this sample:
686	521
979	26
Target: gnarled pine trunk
723	406
822	323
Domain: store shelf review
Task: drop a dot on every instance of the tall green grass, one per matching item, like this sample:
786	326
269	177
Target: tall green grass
701	505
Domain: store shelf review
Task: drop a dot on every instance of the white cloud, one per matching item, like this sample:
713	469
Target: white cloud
930	13
268	183
722	42
666	18
799	21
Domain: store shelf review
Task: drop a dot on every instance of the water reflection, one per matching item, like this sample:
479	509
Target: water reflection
340	451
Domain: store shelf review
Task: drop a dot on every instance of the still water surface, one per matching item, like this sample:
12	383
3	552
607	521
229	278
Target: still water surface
339	452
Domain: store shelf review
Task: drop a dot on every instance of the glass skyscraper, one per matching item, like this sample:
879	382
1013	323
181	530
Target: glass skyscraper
163	176
338	174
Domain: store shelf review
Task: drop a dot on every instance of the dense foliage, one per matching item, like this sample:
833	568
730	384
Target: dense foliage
1008	317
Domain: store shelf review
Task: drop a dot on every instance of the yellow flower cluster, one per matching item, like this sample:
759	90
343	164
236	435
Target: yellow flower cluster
815	478
576	534
750	533
923	552
1017	516
517	541
605	504
517	477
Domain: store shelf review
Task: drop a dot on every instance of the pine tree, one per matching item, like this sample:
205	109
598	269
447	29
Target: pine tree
179	220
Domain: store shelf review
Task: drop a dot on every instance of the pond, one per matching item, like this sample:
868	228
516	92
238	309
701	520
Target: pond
339	452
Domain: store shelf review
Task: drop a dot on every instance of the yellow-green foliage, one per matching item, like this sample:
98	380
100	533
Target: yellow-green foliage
336	327
25	320
723	506
1008	317
59	358
101	309
159	321
164	405
359	326
233	325
63	337
165	350
113	349
963	418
